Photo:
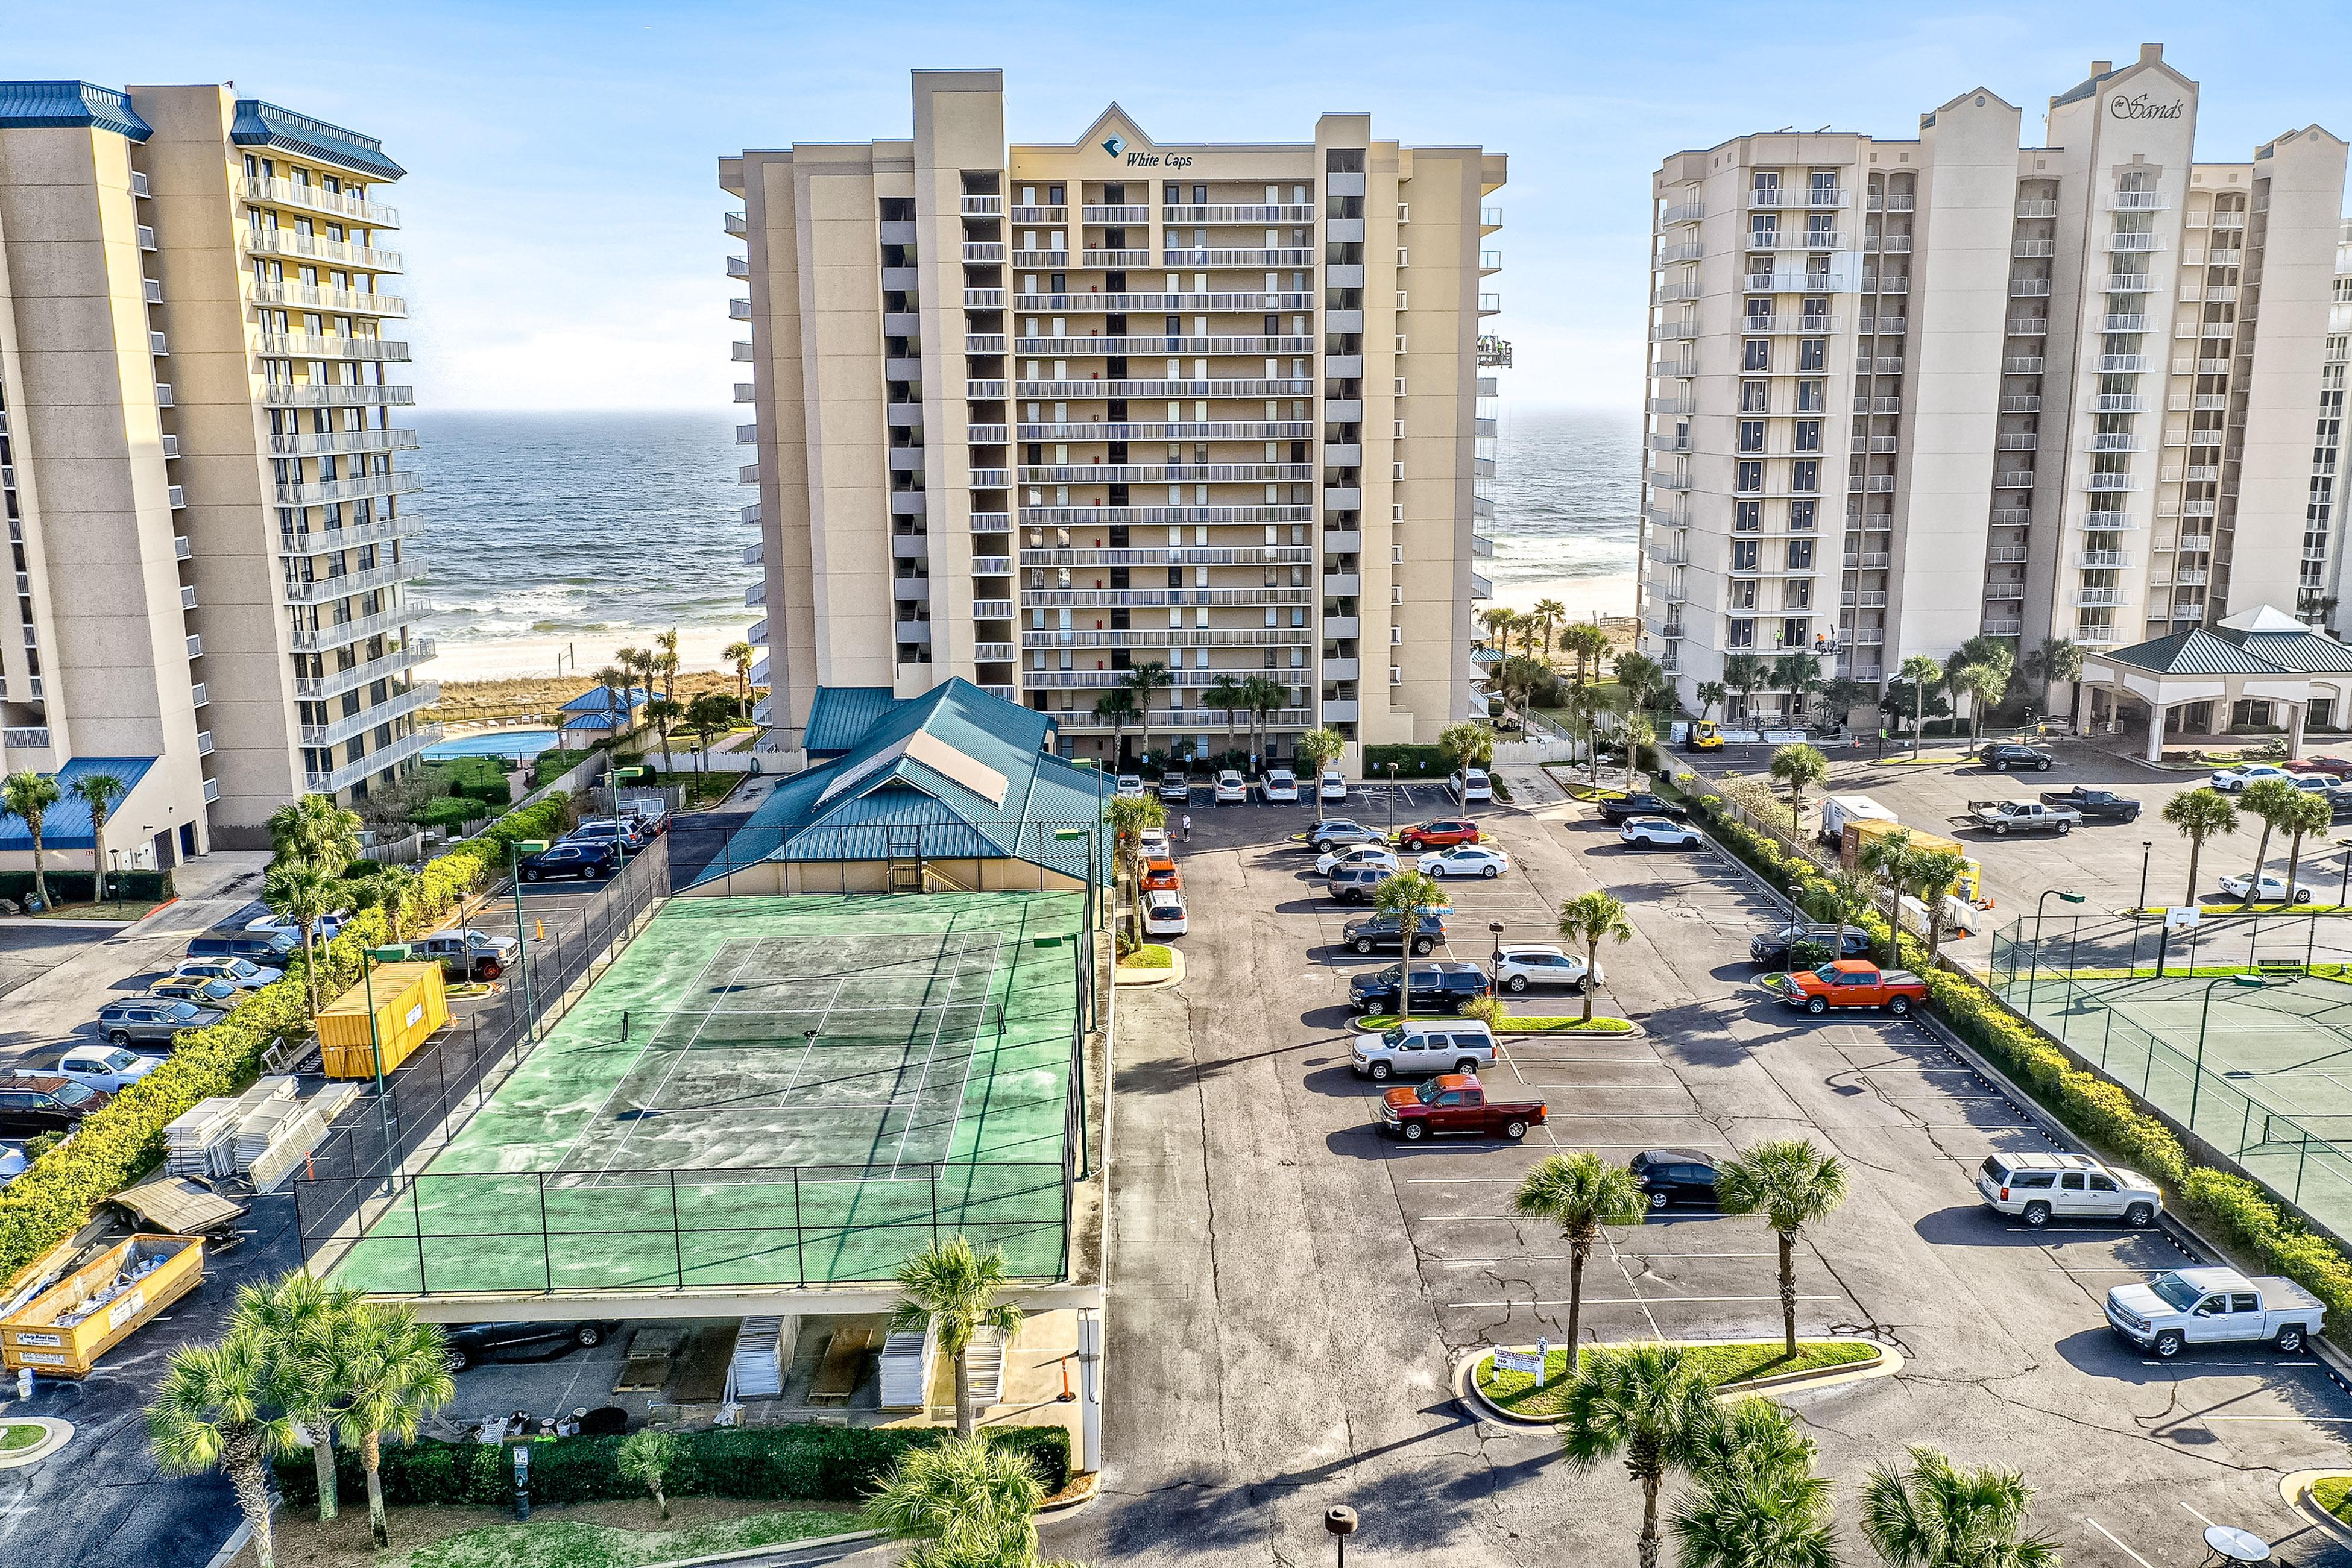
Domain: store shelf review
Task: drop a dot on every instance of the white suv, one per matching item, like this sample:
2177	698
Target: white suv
1331	788
1471	784
1280	786
1519	968
2038	1188
1232	789
1431	1045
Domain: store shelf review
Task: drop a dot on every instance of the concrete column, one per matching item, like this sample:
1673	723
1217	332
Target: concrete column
2295	732
2156	712
1090	1355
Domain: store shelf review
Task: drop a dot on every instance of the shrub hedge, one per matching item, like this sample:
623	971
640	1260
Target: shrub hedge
75	886
1411	762
2229	1207
54	1197
806	1462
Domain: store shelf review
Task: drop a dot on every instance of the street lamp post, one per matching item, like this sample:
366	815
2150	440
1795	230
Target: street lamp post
369	958
2034	972
2139	910
1495	929
516	849
2205	1013
1341	1522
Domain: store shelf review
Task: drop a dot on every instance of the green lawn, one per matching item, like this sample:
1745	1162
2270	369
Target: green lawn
569	1543
1729	1365
113	909
18	1435
1150	956
2334	1493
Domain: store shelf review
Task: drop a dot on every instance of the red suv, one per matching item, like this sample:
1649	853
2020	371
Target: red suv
1439	835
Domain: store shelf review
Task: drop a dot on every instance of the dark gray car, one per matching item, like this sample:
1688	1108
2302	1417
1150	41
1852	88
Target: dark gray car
468	954
153	1018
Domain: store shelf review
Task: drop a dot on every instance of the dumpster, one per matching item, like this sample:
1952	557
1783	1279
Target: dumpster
410	1004
62	1332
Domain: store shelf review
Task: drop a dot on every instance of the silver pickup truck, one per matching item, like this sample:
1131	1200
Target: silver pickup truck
2024	817
2213	1306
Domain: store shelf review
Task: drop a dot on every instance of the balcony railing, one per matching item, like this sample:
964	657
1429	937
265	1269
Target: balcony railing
284	395
1284	386
324	637
422	694
311	296
314	198
338	253
400	751
304	345
321	492
321	589
335	683
336	441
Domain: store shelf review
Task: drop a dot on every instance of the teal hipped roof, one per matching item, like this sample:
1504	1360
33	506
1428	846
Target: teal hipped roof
36	104
841	716
66	825
954	774
2262	641
260	124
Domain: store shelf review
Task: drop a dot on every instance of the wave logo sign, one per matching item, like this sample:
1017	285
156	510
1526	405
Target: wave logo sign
1114	145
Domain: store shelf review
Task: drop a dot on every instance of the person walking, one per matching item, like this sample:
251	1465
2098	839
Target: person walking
1186	821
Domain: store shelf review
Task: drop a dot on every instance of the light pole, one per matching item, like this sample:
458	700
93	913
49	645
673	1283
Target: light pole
1341	1522
516	849
369	958
1494	928
2139	910
2197	1076
2034	972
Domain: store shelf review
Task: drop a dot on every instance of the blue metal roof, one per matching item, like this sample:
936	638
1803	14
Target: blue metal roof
34	104
66	825
600	699
841	716
260	124
939	792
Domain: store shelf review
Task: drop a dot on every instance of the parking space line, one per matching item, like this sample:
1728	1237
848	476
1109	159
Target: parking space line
1645	1302
2192	1511
2110	1534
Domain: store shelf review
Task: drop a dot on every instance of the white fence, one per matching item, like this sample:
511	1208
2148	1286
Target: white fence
1529	753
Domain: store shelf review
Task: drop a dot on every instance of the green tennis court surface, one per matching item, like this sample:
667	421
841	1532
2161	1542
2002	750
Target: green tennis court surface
2264	1072
774	1091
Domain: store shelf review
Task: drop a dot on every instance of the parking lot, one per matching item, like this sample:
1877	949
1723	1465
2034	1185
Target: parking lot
1291	1289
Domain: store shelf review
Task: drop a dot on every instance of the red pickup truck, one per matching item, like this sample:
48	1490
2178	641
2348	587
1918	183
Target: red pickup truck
1849	983
1455	1105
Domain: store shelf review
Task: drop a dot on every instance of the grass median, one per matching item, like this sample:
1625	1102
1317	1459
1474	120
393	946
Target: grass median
1729	1365
2334	1493
1510	1024
1150	956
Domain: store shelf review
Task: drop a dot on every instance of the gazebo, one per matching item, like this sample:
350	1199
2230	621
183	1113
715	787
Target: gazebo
2201	681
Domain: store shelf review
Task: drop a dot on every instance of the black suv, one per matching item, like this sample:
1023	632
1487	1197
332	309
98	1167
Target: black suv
590	861
1817	944
475	1343
1674	1176
1617	808
1383	933
1444	986
2002	756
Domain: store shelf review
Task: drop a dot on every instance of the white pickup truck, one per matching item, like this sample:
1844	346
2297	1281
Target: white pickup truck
2213	1306
2005	817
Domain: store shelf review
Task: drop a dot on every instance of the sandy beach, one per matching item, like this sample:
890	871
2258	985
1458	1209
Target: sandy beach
509	658
1583	596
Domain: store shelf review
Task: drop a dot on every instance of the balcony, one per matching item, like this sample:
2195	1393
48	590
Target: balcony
2103	561
2127	283
2033	249
358	302
2138	201
322	540
2006	555
306	346
325	638
321	492
1897	202
323	589
1781	325
2037	209
2017	441
1680	250
1681	213
2029	327
399	751
397	703
2110	482
1490	305
1283	386
2122	364
2134	242
2029	288
316	248
2123	441
2021	365
282	395
2094	598
1661	479
1280	256
2123	323
2014	480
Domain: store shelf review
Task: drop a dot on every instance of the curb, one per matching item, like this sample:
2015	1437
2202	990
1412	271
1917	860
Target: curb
1888	1363
750	1553
1089	1488
55	1434
2295	1489
1148	979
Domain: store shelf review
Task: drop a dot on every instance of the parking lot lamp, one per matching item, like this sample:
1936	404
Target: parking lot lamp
2034	969
2197	1077
516	849
1341	1522
2146	847
1494	928
2345	884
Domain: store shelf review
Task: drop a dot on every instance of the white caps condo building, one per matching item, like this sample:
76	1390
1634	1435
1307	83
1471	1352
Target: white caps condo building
1036	415
196	457
1906	394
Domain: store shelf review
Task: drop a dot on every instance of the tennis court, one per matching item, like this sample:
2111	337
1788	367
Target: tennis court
768	1091
2262	1070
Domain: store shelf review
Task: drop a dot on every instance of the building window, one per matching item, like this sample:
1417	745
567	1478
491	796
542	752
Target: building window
1748	478
1754	397
1751	434
1812	353
1743	555
1740	632
1747	516
1801	555
1803	515
1809	436
1805	475
1756	354
1812	397
1794	631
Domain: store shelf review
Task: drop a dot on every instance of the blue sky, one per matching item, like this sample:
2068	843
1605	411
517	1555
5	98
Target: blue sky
562	216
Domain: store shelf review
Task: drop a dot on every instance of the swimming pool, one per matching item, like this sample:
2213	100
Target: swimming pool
519	744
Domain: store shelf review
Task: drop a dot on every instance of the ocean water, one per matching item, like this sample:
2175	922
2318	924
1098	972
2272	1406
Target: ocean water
548	525
539	526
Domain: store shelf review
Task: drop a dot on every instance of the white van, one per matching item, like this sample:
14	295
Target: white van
1471	784
1837	810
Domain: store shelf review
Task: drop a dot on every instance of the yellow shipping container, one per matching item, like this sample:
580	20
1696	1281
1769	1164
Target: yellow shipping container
1970	885
410	1004
62	1332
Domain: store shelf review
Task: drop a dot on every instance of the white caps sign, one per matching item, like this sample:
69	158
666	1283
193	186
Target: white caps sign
1529	1362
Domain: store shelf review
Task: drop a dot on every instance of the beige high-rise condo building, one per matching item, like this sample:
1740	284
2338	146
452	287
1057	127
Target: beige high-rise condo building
1909	393
1036	415
207	522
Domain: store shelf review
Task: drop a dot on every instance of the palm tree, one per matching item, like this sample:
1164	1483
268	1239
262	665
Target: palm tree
1934	873
2200	814
392	889
1320	748
1799	767
955	1287
98	792
646	1458
1644	679
306	1324
1585	706
30	795
615	681
1497	618
1128	816
1890	856
1756	1502
1924	675
1524	628
1408	895
219	1408
706	716
1115	709
2056	660
663	712
299	891
1548	614
1589	642
1226	693
1648	1405
1793	1186
969	1501
1143	680
1265	694
2308	814
1638	732
1580	1192
395	1372
1468	744
1933	1514
1845	897
1708	694
1982	684
1799	676
1590	919
316	831
741	655
2268	800
665	656
1744	673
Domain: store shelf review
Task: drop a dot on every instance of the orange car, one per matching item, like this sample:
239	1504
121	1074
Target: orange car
1162	873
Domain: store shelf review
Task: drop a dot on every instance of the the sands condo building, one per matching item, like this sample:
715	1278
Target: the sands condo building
1907	392
198	459
1034	416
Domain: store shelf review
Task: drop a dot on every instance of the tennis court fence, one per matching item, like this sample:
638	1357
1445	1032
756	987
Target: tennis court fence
2069	983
